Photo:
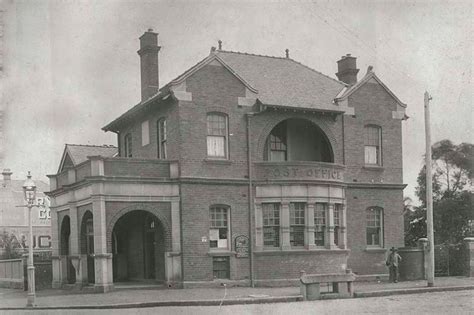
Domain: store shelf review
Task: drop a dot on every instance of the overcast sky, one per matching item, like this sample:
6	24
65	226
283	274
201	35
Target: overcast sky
70	67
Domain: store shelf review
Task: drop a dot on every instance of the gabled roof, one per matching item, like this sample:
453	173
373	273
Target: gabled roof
275	81
78	153
370	75
284	81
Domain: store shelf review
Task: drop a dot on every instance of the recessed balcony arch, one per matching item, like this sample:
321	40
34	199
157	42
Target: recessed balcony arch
297	139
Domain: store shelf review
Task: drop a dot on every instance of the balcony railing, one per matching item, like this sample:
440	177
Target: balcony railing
116	168
299	171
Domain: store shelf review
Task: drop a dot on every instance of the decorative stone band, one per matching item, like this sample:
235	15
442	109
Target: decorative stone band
299	171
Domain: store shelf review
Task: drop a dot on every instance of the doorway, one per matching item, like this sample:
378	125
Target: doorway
138	248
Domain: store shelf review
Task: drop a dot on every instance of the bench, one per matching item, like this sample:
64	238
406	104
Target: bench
340	285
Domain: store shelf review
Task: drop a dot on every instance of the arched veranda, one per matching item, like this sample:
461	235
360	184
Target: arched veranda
138	247
65	247
297	139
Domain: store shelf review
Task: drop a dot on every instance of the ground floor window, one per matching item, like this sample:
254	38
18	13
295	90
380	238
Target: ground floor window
220	267
320	211
271	224
219	230
297	211
300	224
337	222
374	227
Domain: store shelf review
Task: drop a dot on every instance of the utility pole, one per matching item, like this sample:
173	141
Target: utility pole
429	194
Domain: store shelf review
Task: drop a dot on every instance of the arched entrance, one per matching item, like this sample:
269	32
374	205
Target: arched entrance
65	249
87	244
138	247
297	139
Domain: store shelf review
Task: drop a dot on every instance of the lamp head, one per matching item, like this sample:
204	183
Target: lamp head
29	189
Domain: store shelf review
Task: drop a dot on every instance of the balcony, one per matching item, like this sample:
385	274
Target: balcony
302	171
120	168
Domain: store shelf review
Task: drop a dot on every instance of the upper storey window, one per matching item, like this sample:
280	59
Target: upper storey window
297	140
161	138
127	141
277	143
373	144
217	135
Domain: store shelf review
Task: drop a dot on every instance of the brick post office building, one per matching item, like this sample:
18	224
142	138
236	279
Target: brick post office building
245	168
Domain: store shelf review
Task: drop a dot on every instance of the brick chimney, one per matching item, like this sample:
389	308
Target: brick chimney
149	63
347	69
7	177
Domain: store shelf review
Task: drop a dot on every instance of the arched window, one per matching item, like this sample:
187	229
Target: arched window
217	136
374	227
161	138
373	145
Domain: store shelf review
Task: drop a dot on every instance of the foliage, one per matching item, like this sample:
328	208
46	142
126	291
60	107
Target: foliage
452	170
11	247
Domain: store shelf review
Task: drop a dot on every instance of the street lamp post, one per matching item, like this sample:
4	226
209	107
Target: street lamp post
29	190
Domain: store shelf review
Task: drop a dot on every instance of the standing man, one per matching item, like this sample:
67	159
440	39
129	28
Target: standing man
392	262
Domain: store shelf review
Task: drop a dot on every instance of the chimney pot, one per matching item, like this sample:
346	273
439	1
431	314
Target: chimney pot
220	44
6	176
347	69
287	52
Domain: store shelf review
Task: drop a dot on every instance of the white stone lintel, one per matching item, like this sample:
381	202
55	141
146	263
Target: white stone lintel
398	114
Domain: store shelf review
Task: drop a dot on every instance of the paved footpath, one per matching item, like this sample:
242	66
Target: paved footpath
61	299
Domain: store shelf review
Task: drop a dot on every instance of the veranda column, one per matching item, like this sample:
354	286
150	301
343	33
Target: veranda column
55	258
75	253
102	259
173	258
258	227
285	225
309	226
343	227
331	244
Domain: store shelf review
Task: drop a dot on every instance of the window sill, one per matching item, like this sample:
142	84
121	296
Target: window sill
303	251
373	167
218	161
375	249
221	252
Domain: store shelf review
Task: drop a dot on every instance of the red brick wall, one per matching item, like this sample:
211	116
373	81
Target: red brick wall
196	201
373	105
287	265
167	110
362	260
133	167
214	89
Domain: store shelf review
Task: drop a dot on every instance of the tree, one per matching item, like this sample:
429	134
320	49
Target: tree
10	246
453	171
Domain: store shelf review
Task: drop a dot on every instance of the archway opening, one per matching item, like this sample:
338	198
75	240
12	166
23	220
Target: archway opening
297	139
87	244
138	247
65	244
